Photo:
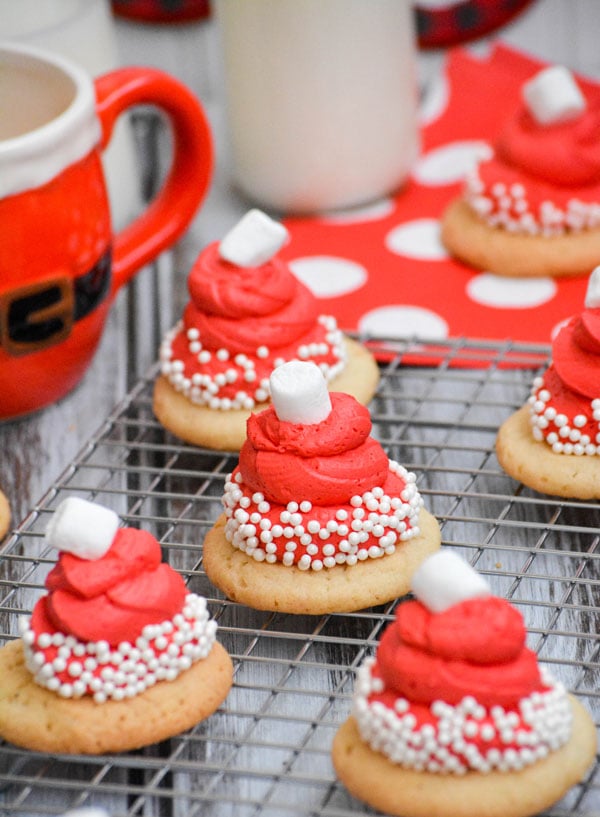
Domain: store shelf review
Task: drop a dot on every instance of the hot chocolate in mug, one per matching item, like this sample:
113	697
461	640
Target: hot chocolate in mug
60	263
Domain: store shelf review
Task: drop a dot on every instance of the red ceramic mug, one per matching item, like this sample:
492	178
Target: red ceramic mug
60	263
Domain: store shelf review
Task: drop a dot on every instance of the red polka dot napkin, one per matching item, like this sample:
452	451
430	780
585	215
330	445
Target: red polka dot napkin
382	269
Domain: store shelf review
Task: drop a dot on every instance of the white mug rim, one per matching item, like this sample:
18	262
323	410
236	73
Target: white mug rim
35	157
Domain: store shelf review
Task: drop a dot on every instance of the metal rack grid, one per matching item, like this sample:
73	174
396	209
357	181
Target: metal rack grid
266	751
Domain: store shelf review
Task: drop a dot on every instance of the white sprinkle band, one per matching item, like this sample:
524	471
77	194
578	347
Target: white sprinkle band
465	736
73	668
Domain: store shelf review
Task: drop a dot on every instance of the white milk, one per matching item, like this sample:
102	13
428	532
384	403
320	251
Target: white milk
321	99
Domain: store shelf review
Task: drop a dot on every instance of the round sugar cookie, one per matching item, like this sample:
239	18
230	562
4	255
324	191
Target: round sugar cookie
372	778
4	515
535	464
340	589
493	249
33	717
226	430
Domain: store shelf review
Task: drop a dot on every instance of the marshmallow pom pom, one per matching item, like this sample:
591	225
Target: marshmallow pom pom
253	241
444	579
553	95
83	528
592	296
299	393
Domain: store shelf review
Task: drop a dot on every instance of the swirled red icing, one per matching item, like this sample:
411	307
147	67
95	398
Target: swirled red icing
541	178
565	401
326	463
232	306
321	494
476	647
112	598
239	325
565	154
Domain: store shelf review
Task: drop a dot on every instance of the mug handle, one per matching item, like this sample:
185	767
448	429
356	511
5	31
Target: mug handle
173	208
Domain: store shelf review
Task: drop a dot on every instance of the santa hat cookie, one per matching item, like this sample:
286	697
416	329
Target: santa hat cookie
552	444
248	314
531	206
454	716
317	518
118	653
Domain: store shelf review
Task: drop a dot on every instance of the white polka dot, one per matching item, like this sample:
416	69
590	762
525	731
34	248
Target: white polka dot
449	163
403	321
418	239
510	293
329	277
367	212
435	101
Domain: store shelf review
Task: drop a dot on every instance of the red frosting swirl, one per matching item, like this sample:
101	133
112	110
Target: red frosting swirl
112	598
565	153
218	287
241	308
576	354
326	463
474	648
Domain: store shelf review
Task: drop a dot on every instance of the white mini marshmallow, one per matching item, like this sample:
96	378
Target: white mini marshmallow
592	296
444	579
253	241
553	95
82	528
299	393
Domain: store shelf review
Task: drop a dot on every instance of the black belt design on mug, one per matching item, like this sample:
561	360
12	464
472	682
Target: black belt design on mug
39	315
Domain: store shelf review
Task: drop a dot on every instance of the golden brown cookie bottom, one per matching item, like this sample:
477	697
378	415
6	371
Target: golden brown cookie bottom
226	430
493	249
535	464
375	780
340	589
4	515
35	718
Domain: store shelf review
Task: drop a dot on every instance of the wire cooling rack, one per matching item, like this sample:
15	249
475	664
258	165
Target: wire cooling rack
266	751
